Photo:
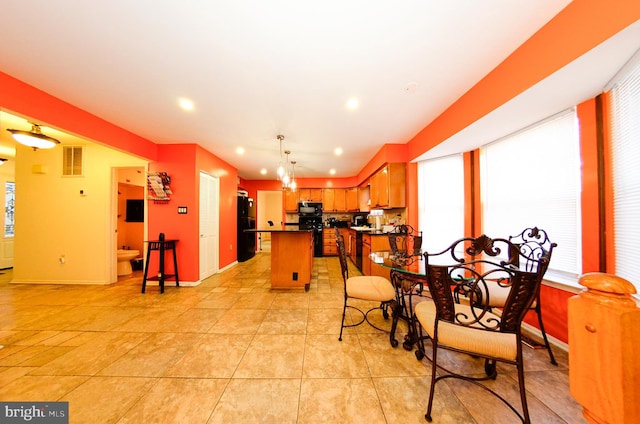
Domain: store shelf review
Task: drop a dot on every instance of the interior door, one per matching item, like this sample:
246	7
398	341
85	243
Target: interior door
209	224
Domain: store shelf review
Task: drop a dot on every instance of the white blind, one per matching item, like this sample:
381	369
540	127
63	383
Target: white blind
532	179
441	201
625	139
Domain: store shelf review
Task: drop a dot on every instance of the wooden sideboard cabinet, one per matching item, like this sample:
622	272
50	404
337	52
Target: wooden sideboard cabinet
604	342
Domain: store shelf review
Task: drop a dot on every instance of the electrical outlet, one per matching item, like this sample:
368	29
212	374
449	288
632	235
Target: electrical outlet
231	247
61	259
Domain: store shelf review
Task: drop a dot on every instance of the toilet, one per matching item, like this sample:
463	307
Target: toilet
124	261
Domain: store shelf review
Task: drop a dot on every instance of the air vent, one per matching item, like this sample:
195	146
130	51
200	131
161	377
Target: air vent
72	161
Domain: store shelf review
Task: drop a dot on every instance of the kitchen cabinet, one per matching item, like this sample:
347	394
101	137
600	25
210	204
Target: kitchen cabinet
352	200
329	247
351	245
334	200
290	201
374	243
310	194
387	186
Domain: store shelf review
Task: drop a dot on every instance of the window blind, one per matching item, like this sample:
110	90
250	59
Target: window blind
532	179
625	154
441	201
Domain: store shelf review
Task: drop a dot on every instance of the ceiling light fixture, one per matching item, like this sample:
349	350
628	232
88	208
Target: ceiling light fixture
293	185
34	138
280	171
288	180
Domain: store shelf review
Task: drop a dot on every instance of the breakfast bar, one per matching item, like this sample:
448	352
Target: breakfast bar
291	255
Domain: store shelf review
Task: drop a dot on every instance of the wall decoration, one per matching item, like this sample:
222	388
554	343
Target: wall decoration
159	186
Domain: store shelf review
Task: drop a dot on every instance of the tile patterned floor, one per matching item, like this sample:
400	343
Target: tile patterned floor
234	351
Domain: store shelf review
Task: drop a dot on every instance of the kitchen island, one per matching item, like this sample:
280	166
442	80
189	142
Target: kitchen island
291	255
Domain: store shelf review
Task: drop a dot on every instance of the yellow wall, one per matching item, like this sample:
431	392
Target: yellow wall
53	219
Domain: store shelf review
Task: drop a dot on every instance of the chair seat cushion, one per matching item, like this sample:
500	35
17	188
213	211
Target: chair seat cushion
370	287
474	340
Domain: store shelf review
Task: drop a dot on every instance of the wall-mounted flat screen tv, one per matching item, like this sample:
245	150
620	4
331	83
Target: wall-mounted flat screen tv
135	210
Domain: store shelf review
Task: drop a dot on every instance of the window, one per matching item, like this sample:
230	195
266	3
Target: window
625	155
9	208
532	179
441	201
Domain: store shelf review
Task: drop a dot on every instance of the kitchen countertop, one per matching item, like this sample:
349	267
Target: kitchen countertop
369	230
281	229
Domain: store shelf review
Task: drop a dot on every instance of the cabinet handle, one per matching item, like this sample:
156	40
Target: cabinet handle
590	328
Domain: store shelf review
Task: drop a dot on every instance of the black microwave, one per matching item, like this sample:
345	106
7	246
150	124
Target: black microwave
309	209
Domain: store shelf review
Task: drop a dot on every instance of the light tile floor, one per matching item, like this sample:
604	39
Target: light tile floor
232	350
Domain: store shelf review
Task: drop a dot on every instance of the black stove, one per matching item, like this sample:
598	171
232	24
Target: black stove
314	222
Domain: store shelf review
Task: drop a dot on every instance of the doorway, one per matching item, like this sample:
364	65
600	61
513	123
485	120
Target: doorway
209	225
269	209
131	211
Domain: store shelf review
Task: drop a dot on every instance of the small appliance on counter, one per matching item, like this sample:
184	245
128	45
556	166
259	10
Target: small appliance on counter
334	222
359	220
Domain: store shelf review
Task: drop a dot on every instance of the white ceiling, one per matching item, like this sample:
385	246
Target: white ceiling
255	69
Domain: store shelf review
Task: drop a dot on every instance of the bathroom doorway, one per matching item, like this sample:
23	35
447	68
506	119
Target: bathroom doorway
131	218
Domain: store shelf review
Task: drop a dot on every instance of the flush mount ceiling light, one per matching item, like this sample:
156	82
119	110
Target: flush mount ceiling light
34	138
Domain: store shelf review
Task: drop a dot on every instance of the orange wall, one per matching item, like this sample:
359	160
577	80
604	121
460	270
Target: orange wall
28	101
228	177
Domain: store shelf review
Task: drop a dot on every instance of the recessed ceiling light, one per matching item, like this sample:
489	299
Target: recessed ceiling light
338	151
240	150
411	88
185	104
263	171
353	103
332	171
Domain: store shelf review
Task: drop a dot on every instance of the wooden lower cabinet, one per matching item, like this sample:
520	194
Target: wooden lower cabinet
285	272
351	241
329	247
374	243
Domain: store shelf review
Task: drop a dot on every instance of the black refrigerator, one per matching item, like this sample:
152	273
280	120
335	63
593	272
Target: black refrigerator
246	221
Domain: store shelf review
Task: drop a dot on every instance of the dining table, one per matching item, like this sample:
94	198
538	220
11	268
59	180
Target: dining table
407	275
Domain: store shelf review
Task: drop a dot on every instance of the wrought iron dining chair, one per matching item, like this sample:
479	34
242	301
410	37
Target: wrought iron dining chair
411	289
363	287
470	327
529	246
405	241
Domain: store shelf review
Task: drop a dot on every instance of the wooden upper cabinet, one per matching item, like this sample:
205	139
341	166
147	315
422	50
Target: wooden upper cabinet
352	200
387	186
290	201
328	200
334	200
310	194
340	200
